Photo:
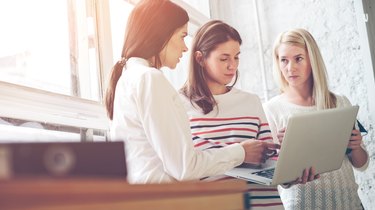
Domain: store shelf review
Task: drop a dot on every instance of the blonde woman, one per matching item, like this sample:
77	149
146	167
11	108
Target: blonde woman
301	73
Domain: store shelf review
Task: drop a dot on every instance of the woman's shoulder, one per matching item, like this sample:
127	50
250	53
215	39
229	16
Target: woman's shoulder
191	108
152	77
274	101
146	80
277	106
341	100
184	99
241	94
340	96
140	67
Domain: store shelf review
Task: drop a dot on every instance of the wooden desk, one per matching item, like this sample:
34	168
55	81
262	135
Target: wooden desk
109	194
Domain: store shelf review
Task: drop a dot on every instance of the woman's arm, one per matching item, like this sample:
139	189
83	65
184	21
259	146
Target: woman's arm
358	156
166	125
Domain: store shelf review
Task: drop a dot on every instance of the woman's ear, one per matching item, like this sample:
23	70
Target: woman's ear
198	55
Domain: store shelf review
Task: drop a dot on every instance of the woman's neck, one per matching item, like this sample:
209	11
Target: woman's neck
302	97
218	89
152	61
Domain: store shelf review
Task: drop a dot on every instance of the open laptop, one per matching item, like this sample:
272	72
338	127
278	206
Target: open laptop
317	139
63	159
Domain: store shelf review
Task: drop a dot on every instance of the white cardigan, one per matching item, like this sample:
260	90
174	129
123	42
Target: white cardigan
333	190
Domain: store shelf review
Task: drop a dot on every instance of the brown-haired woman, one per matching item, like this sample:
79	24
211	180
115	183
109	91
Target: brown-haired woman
145	109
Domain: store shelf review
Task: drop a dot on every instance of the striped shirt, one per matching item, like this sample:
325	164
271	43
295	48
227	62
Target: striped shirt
213	131
238	116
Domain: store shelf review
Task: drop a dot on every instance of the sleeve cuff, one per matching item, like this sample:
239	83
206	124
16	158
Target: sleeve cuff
237	151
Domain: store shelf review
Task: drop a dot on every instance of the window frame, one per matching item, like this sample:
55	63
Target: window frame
26	103
31	104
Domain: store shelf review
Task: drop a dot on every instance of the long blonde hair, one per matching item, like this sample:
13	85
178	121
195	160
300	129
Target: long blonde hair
322	96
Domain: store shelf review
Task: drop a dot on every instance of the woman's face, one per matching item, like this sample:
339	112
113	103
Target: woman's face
172	52
295	65
221	66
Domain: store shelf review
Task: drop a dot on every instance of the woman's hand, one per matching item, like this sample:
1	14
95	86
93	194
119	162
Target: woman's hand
355	140
257	152
308	175
280	135
358	156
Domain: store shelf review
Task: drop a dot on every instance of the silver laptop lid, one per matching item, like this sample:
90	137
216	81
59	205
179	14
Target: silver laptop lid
317	139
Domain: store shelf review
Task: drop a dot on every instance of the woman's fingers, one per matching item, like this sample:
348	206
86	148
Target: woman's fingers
305	176
317	176
308	175
311	174
355	140
280	134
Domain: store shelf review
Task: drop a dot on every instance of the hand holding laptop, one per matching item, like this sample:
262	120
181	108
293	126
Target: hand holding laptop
313	143
357	155
280	135
355	140
308	175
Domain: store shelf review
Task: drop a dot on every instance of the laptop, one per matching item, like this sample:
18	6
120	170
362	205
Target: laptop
317	139
63	160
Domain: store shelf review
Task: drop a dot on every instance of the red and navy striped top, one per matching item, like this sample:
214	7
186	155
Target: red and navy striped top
211	132
238	116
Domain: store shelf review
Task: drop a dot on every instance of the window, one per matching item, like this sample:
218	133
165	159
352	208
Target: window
199	5
119	12
54	60
49	69
49	45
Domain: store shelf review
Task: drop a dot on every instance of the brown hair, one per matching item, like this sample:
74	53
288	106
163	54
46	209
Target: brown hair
150	26
207	38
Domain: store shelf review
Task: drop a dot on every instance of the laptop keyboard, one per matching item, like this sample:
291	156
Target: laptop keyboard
266	173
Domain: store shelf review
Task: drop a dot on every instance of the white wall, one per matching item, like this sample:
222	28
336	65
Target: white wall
334	24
